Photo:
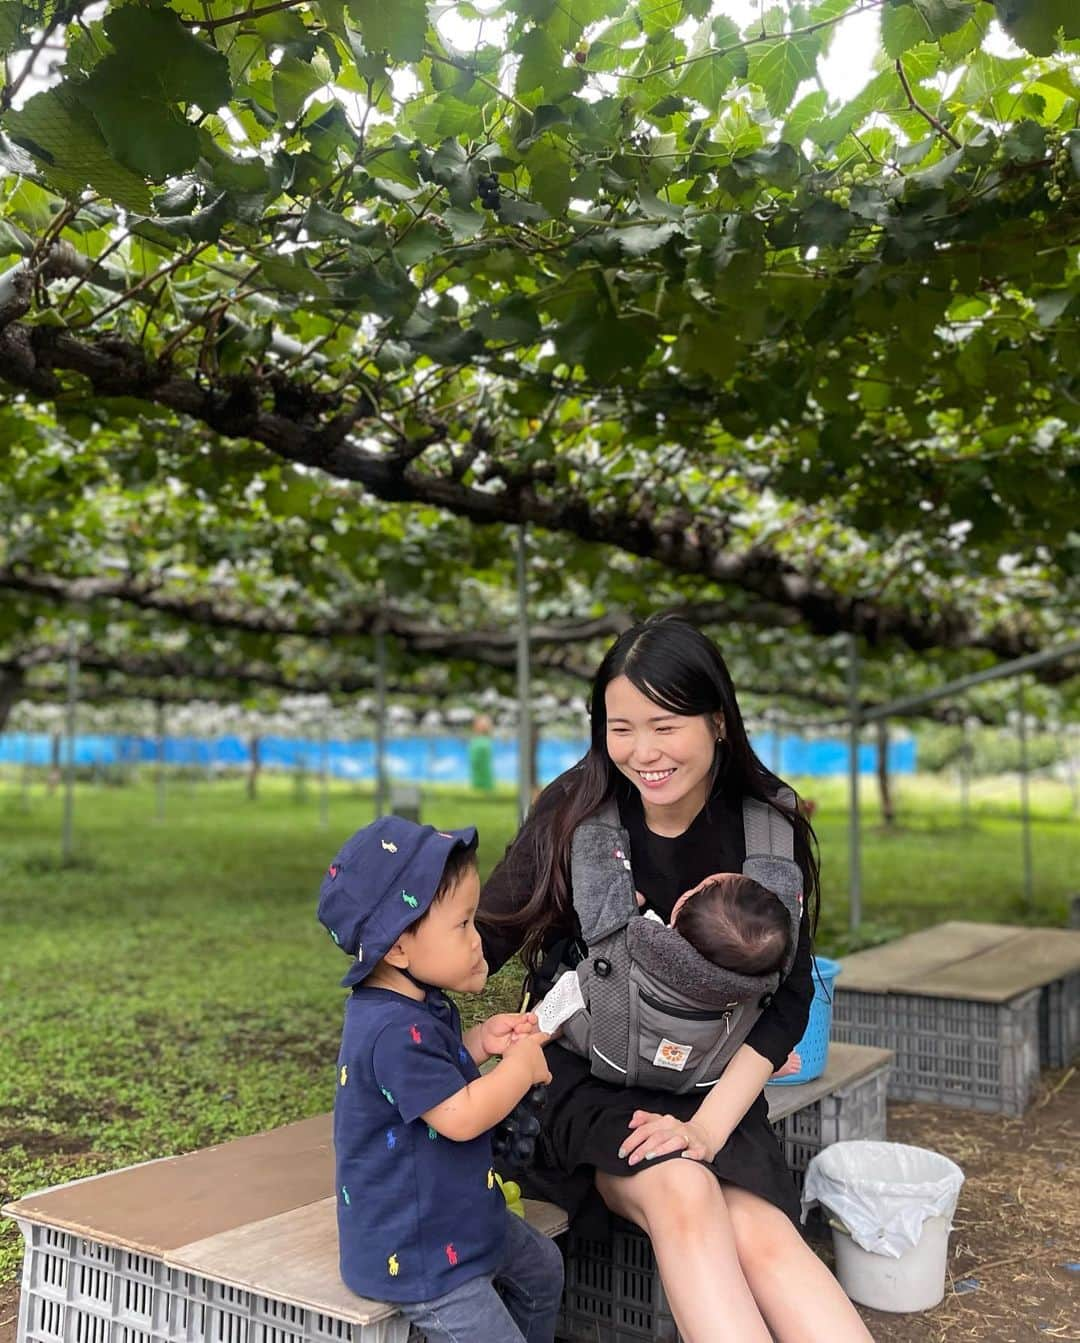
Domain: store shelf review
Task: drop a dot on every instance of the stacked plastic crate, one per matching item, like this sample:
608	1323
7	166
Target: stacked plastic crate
971	1011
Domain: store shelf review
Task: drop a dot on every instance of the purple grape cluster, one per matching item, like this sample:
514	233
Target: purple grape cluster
514	1139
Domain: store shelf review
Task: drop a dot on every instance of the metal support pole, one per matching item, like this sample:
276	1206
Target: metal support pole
776	751
854	852
1047	658
324	767
524	724
380	722
67	848
159	732
1025	800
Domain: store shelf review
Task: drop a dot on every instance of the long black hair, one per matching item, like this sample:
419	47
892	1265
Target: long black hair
681	670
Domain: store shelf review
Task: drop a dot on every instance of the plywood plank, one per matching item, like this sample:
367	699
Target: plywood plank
882	969
293	1257
1035	957
846	1064
159	1205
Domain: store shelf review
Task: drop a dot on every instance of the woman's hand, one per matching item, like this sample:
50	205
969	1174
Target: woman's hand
791	1065
498	1033
653	1135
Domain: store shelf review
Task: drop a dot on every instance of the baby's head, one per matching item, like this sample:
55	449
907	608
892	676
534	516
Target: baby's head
401	899
736	923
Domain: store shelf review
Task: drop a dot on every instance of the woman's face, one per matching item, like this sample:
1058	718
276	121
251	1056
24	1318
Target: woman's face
668	757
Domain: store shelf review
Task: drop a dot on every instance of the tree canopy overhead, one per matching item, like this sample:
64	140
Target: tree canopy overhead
623	271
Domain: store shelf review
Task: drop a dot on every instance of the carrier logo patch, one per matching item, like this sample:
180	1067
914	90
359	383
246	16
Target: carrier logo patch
670	1054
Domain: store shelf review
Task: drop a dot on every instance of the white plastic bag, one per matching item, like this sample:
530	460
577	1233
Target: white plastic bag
882	1191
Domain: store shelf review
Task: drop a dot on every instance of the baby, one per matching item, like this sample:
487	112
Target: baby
734	922
738	925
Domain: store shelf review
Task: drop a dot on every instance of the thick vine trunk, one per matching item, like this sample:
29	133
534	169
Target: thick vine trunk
888	811
11	687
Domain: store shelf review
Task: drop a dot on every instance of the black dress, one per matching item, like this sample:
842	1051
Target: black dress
585	1120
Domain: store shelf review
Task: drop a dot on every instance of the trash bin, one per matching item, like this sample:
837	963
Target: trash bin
813	1048
890	1207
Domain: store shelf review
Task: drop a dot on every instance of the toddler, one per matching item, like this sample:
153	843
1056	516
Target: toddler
422	1221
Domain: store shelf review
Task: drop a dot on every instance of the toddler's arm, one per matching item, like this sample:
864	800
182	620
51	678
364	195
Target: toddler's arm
479	1105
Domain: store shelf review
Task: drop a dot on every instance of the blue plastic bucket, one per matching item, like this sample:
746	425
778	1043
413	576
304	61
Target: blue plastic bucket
813	1048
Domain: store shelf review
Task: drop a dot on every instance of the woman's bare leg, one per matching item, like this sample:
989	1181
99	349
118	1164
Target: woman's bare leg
796	1293
680	1206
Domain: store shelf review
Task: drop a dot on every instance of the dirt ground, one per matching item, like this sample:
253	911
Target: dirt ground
1014	1261
1014	1254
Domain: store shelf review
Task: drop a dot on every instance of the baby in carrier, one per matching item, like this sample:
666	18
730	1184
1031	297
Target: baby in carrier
669	1006
738	925
734	922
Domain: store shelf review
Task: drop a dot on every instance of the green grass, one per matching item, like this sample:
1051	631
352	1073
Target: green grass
173	989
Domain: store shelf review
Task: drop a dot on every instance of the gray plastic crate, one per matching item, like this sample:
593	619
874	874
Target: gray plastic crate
613	1290
76	1290
950	1051
854	1111
1059	1022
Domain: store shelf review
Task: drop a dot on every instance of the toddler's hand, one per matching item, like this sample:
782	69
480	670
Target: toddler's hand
501	1031
530	1050
640	899
791	1065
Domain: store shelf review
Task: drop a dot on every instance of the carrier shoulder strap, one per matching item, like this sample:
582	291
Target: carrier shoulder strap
600	877
770	857
765	830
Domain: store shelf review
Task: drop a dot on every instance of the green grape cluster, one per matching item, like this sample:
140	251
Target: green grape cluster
840	192
1061	167
1016	188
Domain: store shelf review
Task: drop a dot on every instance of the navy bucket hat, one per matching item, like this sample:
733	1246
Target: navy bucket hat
383	879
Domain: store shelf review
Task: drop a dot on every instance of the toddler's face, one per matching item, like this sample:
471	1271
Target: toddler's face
445	950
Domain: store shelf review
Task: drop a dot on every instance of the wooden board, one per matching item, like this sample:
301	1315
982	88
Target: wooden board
980	962
1036	956
879	969
846	1064
159	1205
293	1257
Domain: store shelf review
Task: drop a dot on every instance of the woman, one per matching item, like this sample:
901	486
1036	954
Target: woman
669	745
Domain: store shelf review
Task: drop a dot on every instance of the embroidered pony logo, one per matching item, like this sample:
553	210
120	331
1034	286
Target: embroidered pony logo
414	1035
388	845
451	1254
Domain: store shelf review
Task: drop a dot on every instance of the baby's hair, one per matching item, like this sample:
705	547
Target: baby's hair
459	861
738	924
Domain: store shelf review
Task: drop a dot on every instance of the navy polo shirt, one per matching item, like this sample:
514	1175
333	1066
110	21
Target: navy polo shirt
418	1214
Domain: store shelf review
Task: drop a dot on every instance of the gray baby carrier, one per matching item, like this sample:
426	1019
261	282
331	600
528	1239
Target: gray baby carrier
657	1013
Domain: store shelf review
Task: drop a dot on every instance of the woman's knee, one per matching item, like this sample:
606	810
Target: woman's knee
763	1234
681	1192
